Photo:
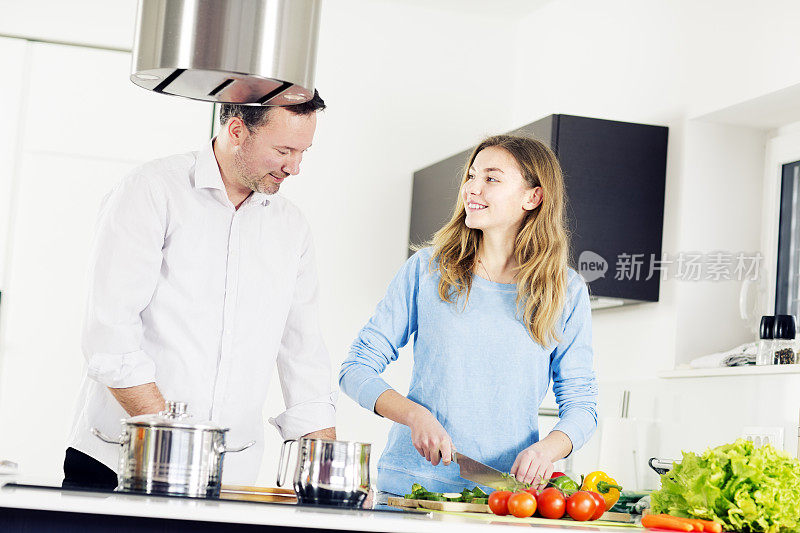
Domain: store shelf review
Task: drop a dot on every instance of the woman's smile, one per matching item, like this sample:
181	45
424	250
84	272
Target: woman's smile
475	206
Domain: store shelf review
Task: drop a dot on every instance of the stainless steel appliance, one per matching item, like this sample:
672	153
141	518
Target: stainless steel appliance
167	453
261	52
328	472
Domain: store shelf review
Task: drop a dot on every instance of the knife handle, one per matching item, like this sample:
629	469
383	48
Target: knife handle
452	456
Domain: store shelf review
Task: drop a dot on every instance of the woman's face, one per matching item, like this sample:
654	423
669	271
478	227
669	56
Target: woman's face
496	196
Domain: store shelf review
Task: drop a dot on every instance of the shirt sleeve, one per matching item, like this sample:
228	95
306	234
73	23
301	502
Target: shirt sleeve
574	383
377	344
304	366
123	272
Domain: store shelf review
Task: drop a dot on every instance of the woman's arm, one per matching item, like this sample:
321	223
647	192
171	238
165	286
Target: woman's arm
575	389
377	345
427	434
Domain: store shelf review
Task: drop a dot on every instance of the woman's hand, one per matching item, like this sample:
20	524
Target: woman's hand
533	465
429	437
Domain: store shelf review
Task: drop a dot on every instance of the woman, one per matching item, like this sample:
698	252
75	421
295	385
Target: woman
495	313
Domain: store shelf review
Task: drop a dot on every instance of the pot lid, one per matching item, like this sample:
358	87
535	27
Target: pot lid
175	416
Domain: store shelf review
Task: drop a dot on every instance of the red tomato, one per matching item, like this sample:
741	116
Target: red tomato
498	502
522	504
533	492
552	503
557	474
601	505
581	506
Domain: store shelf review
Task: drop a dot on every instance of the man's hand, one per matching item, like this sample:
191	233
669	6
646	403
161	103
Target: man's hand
140	400
327	433
534	464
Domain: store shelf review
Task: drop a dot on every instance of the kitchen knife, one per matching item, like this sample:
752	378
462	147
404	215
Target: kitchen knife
485	475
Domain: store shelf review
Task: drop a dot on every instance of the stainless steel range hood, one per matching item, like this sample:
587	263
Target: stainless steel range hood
260	52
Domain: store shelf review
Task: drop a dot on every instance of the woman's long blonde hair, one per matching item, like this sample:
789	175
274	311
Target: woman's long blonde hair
541	248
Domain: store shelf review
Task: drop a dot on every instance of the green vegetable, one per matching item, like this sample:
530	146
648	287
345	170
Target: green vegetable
738	485
478	493
627	501
565	483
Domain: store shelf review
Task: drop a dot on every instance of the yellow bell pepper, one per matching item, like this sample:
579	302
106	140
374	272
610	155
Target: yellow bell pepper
601	483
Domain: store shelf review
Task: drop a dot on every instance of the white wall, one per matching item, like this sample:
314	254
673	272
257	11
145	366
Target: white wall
90	22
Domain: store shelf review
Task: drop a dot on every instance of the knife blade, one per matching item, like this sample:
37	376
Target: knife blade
485	475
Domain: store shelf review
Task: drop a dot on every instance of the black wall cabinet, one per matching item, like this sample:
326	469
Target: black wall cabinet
615	176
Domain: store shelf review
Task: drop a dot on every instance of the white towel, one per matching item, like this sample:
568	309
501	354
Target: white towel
744	354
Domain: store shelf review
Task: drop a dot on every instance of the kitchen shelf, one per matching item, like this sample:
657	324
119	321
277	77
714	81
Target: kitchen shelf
730	371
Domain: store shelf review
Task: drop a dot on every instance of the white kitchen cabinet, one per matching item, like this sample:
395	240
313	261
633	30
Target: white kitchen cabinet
12	65
82	103
84	127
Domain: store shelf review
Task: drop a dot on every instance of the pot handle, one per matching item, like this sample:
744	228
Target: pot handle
282	471
233	449
102	436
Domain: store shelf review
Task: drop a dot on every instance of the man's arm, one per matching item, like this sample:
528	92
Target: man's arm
327	433
141	399
124	269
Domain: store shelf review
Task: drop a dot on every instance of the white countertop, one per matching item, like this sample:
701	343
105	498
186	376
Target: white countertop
255	513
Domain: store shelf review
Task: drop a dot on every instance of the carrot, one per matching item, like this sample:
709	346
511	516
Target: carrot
710	526
704	526
695	524
665	521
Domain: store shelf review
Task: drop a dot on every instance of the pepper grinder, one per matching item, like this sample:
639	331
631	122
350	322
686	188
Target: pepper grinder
783	344
765	333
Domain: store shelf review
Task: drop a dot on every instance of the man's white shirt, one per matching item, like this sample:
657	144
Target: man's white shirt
202	299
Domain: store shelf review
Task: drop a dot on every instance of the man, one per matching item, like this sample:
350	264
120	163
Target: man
201	279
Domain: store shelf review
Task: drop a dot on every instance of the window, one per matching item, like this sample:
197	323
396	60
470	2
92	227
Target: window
787	290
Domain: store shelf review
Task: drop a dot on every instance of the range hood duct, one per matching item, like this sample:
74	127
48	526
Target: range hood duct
260	52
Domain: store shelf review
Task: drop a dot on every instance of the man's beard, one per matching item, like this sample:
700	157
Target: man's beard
252	181
263	186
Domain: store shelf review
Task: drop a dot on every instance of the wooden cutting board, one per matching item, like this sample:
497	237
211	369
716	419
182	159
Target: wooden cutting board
457	507
257	494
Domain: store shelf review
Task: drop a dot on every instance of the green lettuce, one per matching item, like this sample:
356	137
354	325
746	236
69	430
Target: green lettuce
742	487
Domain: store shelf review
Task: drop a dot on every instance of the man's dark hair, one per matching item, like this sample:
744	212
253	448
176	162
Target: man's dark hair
255	116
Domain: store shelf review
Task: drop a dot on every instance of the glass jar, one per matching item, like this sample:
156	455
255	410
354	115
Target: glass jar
766	354
783	344
784	352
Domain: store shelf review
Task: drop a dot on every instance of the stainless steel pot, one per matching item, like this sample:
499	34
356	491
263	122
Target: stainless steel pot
169	454
328	472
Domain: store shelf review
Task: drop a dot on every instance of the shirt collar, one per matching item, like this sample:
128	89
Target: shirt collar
207	175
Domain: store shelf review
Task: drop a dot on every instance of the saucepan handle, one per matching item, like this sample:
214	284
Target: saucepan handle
105	438
233	449
281	469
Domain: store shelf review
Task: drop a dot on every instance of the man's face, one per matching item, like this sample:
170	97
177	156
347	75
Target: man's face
274	151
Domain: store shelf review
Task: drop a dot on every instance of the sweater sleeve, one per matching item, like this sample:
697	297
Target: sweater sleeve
378	342
574	383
